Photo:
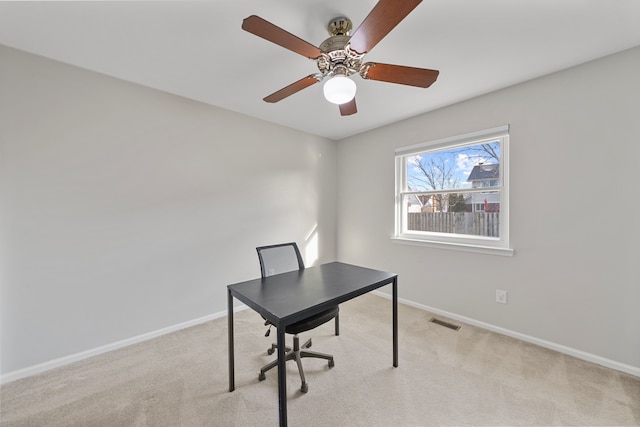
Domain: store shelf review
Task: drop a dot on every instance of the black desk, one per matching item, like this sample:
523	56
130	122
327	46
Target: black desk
286	298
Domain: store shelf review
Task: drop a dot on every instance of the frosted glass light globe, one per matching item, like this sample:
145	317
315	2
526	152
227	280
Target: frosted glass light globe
339	89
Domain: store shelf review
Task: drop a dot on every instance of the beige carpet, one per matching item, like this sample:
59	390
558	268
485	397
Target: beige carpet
445	377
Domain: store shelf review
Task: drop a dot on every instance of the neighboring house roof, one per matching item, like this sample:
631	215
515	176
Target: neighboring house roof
482	171
416	203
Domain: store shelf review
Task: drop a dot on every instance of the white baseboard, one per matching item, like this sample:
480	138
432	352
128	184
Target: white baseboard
622	367
56	363
66	360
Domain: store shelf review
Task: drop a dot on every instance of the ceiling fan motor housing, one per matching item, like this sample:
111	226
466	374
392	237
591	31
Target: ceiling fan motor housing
336	53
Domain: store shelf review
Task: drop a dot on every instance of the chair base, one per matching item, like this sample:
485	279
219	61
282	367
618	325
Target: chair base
296	353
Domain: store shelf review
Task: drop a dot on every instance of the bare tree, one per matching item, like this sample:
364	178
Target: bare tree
436	173
482	151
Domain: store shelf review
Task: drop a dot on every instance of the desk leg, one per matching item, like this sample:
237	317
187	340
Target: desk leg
395	322
232	385
282	377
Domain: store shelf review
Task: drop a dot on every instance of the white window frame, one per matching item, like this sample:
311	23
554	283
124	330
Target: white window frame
480	244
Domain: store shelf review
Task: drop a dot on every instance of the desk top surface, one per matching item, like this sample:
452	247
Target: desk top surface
286	298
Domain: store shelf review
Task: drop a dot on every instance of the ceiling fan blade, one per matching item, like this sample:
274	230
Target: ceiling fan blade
292	88
384	16
268	31
412	76
348	108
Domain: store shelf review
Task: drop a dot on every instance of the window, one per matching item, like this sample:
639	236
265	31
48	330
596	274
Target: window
453	192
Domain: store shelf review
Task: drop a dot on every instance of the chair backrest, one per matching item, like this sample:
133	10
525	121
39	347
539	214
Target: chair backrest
281	258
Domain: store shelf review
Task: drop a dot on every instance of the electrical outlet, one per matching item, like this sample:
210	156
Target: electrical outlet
501	296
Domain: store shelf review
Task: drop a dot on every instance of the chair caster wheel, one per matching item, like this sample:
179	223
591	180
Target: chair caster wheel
270	351
304	388
262	376
331	363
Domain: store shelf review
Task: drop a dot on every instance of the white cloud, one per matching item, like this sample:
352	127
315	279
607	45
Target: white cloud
466	163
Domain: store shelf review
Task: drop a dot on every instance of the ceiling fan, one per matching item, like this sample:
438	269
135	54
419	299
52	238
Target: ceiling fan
341	55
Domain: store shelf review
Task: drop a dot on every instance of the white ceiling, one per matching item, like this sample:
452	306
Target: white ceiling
198	50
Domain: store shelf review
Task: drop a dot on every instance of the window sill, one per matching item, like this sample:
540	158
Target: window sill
490	250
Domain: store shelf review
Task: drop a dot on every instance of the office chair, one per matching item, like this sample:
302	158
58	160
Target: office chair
282	258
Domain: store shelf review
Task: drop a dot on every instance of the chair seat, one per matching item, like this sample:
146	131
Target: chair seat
313	321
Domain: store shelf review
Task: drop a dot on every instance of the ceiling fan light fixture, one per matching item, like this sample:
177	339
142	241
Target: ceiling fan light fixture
341	55
339	89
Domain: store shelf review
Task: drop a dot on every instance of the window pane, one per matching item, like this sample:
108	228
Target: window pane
470	166
476	214
453	193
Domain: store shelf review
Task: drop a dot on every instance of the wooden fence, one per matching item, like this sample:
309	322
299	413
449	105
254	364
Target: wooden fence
477	224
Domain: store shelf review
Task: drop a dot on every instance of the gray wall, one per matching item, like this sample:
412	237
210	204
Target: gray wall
126	210
575	227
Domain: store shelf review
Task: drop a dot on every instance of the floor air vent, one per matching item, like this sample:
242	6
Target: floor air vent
445	324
